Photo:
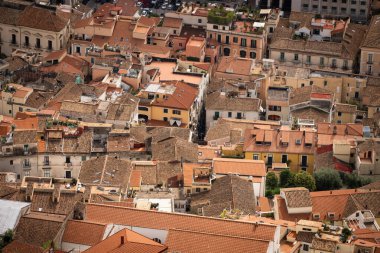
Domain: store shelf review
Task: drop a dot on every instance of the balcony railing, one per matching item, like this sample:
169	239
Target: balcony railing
46	163
26	164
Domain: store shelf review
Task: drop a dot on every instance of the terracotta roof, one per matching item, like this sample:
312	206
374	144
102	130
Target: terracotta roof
264	204
9	16
228	192
166	221
17	246
182	98
127	241
254	139
255	168
373	35
84	233
235	66
197	242
340	129
24	136
135	179
41	18
38	228
175	149
345	108
283	212
219	101
105	170
172	22
297	197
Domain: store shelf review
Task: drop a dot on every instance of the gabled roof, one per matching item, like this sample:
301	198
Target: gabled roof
297	197
127	241
166	221
42	19
255	168
196	242
222	101
84	233
18	247
228	192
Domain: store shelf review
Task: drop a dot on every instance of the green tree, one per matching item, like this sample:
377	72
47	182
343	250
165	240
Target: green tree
354	181
304	179
271	181
327	179
286	178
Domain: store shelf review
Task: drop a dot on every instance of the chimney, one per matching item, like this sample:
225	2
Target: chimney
122	240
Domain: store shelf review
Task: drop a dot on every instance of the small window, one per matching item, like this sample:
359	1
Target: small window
165	110
177	112
11	162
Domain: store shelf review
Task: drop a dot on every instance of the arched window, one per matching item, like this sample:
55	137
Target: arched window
252	55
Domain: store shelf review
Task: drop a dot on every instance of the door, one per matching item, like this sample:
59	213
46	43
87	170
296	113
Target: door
304	161
270	160
68	174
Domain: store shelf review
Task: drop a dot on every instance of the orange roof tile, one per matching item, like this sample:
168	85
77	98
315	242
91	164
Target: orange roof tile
264	204
166	221
127	241
244	167
28	123
196	242
85	233
135	179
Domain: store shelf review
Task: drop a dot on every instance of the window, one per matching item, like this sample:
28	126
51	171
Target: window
47	173
325	83
215	27
38	43
77	50
255	157
270	159
339	114
219	38
165	118
304	161
227	39
177	112
11	162
235	39
68	160
370	59
142	108
20	109
27	41
50	45
239	115
284	158
308	59
14	41
243	53
243	42
252	55
305	247
333	63
216	115
68	174
296	57
229	114
46	160
199	20
198	190
253	43
166	110
322	61
282	56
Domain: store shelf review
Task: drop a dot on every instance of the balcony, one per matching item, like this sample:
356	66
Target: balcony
46	163
13	43
26	165
304	165
370	62
296	61
333	66
282	59
369	73
37	46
